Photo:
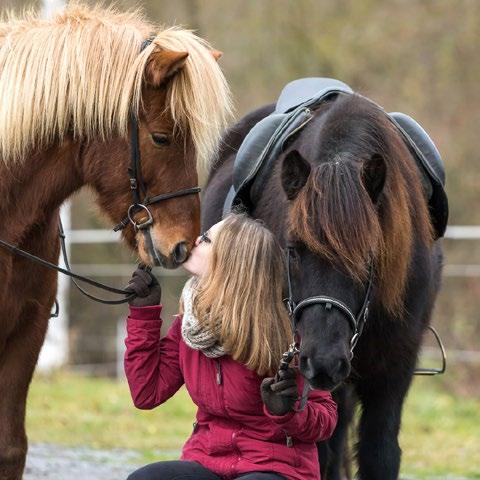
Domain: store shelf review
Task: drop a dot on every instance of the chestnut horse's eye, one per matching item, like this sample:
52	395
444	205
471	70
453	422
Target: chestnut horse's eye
160	139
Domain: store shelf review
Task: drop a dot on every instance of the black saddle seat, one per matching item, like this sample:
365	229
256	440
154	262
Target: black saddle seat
264	143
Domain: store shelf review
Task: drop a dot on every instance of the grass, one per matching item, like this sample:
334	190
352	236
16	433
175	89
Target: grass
440	433
72	410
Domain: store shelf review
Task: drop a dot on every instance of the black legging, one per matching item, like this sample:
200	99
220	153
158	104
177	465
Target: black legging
184	470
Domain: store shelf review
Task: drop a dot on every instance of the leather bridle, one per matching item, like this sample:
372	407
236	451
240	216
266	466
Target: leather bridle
356	322
139	189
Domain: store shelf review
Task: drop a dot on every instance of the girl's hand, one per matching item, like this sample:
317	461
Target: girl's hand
145	286
280	393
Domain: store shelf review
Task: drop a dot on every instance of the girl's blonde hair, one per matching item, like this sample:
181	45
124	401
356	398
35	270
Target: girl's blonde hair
239	299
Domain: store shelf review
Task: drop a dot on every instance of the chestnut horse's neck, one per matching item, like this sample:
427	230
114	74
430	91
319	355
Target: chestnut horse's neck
33	190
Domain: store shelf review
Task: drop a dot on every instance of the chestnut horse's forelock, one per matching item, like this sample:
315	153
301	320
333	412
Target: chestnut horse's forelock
336	218
81	73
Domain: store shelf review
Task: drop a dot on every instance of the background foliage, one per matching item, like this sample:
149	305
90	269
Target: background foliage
415	56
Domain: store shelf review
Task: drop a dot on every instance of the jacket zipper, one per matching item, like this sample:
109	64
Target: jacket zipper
289	439
218	367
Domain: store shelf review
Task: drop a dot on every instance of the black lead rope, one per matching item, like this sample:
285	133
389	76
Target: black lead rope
293	349
130	295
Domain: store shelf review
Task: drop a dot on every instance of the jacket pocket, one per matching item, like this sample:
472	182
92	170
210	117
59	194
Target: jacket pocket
254	450
286	452
219	439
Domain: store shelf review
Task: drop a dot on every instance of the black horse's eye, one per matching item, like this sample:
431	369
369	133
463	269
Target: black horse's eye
160	139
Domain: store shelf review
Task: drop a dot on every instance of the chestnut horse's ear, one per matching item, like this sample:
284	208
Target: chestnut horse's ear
295	173
163	64
373	174
217	54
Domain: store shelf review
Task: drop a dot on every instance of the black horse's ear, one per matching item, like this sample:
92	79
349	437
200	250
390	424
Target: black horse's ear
295	172
374	172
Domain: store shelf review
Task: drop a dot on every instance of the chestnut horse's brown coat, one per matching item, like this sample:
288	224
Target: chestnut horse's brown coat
45	164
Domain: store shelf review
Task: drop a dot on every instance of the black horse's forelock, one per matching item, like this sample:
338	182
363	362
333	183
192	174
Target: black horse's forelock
334	214
334	218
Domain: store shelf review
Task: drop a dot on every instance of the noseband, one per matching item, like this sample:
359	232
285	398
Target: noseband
356	322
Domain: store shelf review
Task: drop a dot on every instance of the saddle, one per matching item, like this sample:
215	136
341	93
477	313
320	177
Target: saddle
295	107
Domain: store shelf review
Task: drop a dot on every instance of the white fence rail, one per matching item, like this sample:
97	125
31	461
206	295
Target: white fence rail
454	232
55	350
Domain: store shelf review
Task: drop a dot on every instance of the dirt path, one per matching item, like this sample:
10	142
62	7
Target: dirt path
51	462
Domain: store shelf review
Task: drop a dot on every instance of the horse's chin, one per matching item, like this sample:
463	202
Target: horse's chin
156	259
323	384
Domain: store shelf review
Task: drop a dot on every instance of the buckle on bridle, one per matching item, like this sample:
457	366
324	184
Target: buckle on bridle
287	357
290	306
133	209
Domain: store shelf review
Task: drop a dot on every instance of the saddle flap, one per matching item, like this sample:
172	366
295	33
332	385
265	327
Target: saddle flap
251	149
422	145
430	163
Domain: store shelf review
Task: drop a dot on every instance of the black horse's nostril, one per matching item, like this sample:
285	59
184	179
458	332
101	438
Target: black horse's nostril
180	252
306	367
340	369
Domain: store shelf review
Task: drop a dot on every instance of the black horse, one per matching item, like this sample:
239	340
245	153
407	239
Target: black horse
346	194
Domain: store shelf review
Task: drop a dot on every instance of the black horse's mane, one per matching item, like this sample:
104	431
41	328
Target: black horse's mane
338	216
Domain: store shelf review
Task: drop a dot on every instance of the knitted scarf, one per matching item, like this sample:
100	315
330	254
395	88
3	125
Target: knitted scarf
194	335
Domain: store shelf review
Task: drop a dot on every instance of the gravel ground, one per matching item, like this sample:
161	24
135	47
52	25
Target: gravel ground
51	462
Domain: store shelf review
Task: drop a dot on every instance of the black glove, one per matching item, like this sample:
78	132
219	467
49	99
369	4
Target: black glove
280	393
145	286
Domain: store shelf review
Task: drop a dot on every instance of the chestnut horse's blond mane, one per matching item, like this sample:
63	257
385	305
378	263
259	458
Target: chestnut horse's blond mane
81	73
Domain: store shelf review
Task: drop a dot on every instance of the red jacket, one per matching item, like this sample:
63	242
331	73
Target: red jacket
234	433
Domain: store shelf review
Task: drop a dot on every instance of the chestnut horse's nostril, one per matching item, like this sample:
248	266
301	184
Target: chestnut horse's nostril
180	252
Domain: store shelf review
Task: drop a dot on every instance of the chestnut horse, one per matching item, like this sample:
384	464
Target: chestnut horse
69	88
345	196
